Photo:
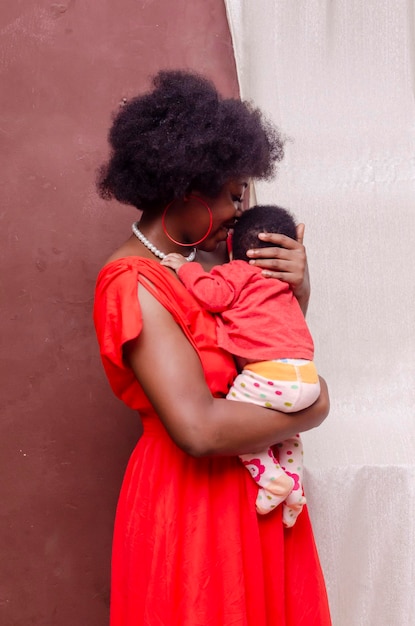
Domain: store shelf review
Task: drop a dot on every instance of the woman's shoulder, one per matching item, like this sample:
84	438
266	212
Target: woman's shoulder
124	262
119	311
127	268
117	287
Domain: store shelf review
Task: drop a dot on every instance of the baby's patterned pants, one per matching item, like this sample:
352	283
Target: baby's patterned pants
286	385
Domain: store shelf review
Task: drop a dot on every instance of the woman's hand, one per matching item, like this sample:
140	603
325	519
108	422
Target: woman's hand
287	263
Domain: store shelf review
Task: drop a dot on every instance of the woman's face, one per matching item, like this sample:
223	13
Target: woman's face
225	209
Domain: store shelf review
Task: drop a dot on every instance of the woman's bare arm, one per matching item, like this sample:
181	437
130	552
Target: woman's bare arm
171	375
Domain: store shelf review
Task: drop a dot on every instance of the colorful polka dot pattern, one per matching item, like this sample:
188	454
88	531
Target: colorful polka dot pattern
286	396
270	473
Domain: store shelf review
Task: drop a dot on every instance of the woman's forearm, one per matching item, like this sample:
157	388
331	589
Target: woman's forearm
226	427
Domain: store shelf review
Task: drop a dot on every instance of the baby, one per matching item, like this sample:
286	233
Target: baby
260	322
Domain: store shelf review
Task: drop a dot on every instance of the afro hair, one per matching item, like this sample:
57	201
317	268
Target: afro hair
183	136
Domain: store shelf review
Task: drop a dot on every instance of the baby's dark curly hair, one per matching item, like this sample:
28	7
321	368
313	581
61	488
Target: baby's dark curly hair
183	136
260	219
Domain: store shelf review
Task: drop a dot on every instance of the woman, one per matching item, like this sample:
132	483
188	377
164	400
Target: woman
189	548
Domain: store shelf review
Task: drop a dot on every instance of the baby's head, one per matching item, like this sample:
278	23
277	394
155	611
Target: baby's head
260	219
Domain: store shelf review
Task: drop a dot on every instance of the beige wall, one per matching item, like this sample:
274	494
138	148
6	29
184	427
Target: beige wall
64	439
338	78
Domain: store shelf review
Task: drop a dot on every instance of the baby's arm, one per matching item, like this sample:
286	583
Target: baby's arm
211	289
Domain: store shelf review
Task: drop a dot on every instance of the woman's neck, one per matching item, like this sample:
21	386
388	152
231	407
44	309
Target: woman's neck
154	235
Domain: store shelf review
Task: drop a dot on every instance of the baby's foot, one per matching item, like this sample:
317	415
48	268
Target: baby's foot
275	492
280	485
266	502
292	508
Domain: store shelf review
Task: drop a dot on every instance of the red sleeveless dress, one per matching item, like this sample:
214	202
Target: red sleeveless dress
189	548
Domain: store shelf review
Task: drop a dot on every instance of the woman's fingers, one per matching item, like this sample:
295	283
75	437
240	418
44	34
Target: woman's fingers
277	240
278	265
287	264
294	278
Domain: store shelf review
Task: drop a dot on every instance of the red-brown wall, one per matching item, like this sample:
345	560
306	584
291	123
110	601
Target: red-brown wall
65	439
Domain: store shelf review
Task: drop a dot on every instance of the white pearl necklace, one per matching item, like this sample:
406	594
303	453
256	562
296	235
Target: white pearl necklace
158	253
